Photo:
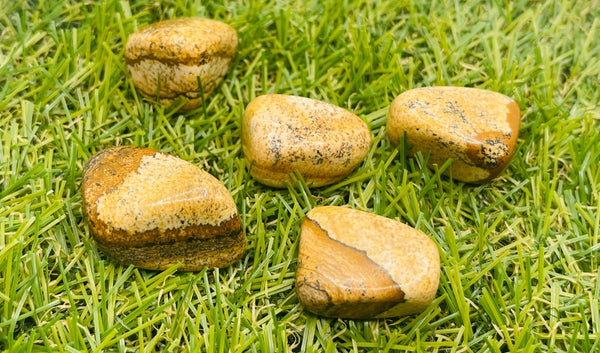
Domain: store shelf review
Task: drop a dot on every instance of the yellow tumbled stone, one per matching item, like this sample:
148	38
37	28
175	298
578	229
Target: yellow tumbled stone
153	210
477	128
282	134
358	265
166	58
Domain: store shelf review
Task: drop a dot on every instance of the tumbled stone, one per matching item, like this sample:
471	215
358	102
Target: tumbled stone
357	265
164	59
478	129
153	210
282	134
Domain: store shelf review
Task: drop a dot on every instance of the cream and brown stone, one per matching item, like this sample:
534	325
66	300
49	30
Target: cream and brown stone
477	128
282	134
357	265
153	210
164	59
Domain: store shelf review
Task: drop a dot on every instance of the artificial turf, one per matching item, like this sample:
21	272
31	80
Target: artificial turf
519	254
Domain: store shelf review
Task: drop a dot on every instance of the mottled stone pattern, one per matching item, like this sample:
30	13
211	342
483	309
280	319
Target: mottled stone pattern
354	264
282	133
477	128
164	59
153	210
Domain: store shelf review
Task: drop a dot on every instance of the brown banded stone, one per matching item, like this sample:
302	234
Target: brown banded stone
150	209
358	265
164	59
477	128
282	134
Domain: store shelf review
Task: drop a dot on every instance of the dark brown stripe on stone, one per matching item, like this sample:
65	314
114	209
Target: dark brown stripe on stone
230	228
200	59
193	254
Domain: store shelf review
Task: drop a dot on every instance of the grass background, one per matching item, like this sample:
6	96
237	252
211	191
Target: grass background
519	255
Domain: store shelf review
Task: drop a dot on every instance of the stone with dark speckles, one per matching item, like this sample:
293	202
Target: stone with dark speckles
477	128
153	210
282	134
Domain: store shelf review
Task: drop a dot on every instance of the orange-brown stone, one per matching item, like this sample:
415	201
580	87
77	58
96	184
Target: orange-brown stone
477	128
153	210
354	264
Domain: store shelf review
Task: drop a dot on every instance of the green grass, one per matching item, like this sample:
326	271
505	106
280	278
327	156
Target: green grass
519	255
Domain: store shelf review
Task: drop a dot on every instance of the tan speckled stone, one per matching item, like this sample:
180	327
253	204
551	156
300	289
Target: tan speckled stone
281	134
358	265
478	129
171	55
153	210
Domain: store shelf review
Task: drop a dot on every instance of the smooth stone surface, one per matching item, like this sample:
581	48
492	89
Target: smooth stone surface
281	134
358	265
478	129
171	55
153	210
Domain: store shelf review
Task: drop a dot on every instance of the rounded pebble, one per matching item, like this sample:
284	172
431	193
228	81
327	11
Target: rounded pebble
358	265
282	134
477	128
166	58
153	210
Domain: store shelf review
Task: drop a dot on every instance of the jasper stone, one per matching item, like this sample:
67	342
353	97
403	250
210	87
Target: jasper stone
478	129
357	265
164	59
282	134
153	210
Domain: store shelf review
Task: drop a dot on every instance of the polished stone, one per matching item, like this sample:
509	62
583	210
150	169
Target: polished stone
153	210
166	58
477	128
282	134
358	265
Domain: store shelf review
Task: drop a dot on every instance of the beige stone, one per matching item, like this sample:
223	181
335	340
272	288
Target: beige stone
164	59
282	134
358	265
478	129
153	210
